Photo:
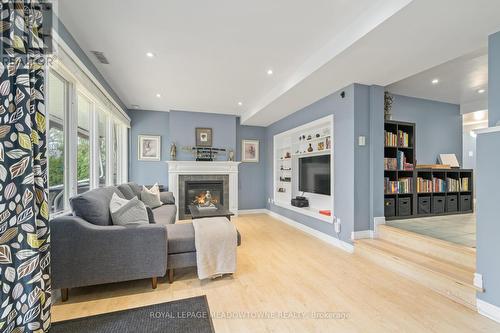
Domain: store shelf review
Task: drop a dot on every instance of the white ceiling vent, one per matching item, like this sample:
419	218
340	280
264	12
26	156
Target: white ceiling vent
101	57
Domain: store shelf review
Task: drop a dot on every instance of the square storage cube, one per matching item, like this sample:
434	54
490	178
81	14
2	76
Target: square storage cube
424	205
389	207
465	202
452	203
404	206
438	204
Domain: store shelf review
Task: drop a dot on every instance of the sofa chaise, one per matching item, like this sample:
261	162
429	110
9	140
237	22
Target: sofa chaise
87	249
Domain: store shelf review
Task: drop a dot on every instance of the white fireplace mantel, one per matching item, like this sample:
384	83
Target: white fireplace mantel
177	168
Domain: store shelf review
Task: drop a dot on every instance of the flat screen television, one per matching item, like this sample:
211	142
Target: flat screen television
314	174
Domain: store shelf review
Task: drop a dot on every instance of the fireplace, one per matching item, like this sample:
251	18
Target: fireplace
193	189
204	194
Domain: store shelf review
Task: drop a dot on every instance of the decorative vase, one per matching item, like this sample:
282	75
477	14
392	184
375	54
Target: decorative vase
310	149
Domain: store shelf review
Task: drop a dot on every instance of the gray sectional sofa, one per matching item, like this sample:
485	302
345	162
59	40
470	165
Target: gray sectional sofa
87	249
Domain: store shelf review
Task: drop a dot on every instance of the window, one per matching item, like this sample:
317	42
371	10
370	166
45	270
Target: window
85	141
83	145
101	144
57	107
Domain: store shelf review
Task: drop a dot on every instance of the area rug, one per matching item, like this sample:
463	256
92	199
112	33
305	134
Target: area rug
190	315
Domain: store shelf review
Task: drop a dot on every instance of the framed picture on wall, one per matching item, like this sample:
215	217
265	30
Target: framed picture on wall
203	137
250	151
149	148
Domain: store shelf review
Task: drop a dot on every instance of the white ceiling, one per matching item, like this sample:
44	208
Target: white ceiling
212	54
459	81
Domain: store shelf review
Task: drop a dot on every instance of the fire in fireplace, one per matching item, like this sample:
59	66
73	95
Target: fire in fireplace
204	194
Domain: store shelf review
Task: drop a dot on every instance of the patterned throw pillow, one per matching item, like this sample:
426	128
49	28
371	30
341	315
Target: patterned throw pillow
151	197
125	211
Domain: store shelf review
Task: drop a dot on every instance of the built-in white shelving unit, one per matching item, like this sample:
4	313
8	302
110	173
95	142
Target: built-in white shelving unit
311	139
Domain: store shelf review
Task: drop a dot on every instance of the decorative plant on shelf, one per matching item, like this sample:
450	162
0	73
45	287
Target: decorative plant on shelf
388	100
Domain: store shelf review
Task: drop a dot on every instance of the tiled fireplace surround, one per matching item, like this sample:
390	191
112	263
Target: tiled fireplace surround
181	171
186	178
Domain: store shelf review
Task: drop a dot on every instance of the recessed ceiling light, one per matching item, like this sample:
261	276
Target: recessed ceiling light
158	95
435	81
269	72
150	54
240	103
481	91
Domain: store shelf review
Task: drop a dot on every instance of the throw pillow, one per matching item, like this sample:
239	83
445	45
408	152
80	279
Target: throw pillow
151	197
125	211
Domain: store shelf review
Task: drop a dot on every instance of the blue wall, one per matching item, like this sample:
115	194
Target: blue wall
343	149
361	158
494	79
487	185
376	142
182	131
439	126
179	127
252	188
149	123
487	227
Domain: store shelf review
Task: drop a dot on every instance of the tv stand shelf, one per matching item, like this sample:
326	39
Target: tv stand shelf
309	211
291	148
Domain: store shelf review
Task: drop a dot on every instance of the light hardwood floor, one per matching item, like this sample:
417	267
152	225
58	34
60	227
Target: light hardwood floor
283	270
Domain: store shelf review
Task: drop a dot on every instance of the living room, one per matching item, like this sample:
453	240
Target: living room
176	167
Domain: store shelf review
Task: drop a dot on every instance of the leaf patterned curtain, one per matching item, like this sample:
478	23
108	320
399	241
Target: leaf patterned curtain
24	230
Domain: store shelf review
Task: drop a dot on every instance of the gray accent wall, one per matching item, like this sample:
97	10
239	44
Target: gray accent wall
149	123
439	126
252	177
361	158
182	131
488	226
376	143
487	185
494	79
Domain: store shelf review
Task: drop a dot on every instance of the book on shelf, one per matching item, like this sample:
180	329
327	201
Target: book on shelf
453	185
400	186
403	139
464	184
391	139
403	162
439	185
424	185
390	164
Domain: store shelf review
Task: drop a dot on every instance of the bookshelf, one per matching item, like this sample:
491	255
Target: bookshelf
399	165
411	192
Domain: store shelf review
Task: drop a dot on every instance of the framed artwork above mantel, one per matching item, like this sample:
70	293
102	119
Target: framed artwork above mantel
204	137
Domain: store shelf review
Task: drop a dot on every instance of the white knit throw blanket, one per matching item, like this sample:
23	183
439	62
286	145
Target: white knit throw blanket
216	242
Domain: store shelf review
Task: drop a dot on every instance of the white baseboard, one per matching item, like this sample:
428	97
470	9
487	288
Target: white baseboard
376	222
362	234
313	232
252	211
488	310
